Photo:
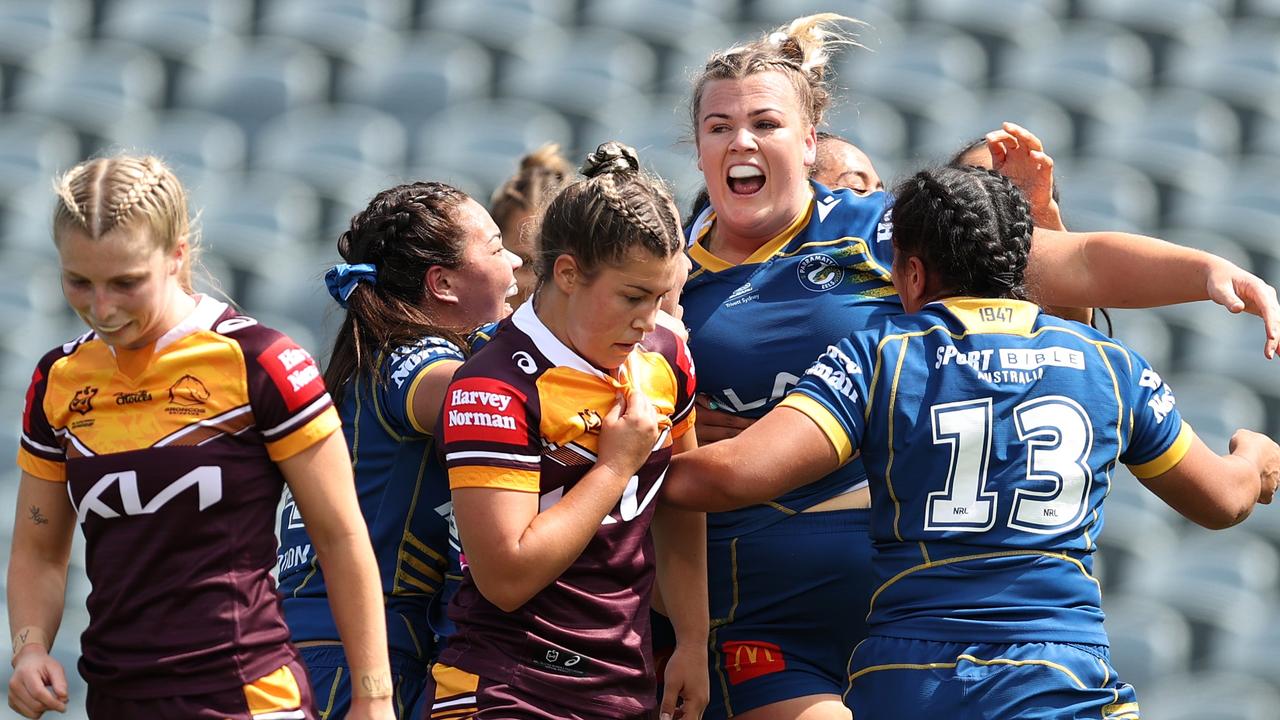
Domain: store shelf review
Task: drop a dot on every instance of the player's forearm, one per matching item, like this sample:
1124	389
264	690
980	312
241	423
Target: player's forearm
680	544
1107	269
36	591
349	564
551	542
710	480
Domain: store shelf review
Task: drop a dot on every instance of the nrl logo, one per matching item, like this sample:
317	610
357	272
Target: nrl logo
83	401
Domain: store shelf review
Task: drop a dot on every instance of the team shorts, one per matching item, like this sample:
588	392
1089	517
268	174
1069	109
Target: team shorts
899	679
281	695
331	678
788	605
453	694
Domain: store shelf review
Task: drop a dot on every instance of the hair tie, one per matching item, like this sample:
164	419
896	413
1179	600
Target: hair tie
342	279
611	157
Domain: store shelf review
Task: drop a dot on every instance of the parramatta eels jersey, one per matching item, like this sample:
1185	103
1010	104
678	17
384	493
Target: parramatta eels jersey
523	414
990	432
754	327
404	496
170	463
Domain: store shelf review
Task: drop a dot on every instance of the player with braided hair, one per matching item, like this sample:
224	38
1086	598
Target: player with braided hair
990	432
167	432
782	268
423	264
556	435
517	204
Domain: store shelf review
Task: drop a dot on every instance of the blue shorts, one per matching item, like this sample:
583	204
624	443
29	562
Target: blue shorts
788	605
331	681
904	679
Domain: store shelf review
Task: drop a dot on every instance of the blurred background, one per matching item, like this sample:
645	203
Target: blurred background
283	117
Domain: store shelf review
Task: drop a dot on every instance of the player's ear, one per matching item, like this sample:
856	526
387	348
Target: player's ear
913	290
567	274
439	285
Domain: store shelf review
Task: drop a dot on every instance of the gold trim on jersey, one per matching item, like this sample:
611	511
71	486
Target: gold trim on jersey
1021	552
406	537
315	430
974	660
485	476
704	257
274	694
38	467
1120	711
888	468
825	421
994	315
413	390
1169	458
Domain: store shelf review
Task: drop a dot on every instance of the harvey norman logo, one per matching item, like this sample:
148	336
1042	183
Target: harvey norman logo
481	398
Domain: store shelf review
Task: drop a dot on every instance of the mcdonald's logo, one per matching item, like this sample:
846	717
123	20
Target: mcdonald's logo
747	659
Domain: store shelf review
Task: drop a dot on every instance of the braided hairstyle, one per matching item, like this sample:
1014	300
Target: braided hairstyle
970	226
102	195
798	50
597	220
404	231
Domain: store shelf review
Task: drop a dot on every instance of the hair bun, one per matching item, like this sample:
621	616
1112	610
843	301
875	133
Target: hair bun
611	157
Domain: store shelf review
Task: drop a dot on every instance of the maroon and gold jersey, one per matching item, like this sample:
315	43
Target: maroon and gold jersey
170	463
523	414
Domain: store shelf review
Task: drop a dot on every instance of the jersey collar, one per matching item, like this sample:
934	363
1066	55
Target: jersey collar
706	221
548	344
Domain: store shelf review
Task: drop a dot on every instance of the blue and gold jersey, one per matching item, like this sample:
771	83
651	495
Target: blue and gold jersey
404	496
754	327
990	433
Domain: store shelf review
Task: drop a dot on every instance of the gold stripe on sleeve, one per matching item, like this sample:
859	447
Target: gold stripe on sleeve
825	421
476	476
315	430
50	470
1167	459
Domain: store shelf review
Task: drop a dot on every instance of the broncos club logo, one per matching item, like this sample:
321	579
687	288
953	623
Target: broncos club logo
188	391
83	401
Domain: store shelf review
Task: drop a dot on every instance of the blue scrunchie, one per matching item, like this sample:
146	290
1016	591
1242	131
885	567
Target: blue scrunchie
343	278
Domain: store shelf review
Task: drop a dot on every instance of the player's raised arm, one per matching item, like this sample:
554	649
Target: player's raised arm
1218	491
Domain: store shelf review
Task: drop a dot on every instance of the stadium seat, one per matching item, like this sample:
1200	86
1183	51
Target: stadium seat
1101	194
1216	404
768	14
1200	696
1043	117
485	139
1138	529
28	27
660	135
1002	25
927	68
417	76
1242	206
1149	640
1241	67
1147	334
1168	26
666	22
585	75
680	65
176	28
195	144
90	86
32	151
334	148
873	125
450	176
251	83
1252	653
258	220
497	24
338	27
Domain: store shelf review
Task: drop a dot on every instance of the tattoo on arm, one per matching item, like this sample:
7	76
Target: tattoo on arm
375	685
37	517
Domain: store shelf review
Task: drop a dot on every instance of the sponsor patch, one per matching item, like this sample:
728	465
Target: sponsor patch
1032	358
486	410
748	659
83	401
293	371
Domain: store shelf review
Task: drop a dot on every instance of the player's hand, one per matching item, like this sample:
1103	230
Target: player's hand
714	424
371	709
1019	155
686	684
1238	290
38	683
1266	457
628	433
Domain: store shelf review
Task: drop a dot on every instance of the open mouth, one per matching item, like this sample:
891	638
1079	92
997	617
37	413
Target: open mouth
745	179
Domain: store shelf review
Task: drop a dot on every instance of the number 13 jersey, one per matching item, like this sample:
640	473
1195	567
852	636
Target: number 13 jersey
990	433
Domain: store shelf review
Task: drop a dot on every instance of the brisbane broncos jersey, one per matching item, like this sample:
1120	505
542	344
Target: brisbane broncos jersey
990	432
404	496
170	463
754	327
524	414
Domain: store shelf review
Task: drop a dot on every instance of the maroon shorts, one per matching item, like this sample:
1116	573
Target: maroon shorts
453	694
282	695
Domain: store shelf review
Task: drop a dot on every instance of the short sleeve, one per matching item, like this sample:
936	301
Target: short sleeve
404	371
833	394
291	407
40	454
487	430
686	388
1159	438
882	244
